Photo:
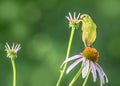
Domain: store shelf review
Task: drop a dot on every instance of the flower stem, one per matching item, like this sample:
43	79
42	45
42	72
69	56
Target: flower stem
67	55
14	71
76	76
84	83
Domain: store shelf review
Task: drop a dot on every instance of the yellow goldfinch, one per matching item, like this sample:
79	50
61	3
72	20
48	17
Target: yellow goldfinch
88	30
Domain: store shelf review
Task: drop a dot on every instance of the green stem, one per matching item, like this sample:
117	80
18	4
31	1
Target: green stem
76	76
67	55
14	71
84	83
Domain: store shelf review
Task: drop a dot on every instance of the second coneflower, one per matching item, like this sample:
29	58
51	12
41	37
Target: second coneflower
89	58
12	51
12	54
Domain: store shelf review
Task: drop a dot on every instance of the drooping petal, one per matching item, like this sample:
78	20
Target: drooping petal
106	78
101	83
101	75
73	65
103	72
71	58
93	71
85	69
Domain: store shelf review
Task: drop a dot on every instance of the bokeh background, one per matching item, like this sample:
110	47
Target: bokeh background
42	30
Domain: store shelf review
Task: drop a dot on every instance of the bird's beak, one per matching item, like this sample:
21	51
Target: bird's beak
81	18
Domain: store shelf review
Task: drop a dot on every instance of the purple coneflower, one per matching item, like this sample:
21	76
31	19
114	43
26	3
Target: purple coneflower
12	51
89	57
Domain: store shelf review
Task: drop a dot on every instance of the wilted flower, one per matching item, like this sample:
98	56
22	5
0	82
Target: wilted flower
89	57
12	51
73	21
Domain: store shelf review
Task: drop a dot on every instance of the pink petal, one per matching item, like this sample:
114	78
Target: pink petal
85	69
73	65
101	75
93	71
71	58
103	72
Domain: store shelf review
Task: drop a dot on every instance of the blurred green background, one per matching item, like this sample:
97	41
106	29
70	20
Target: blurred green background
42	30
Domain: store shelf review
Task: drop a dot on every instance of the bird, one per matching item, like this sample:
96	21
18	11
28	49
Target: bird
88	30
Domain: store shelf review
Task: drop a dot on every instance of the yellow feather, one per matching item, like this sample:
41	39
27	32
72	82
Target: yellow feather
88	30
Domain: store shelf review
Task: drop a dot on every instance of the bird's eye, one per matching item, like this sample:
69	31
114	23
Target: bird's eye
85	16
